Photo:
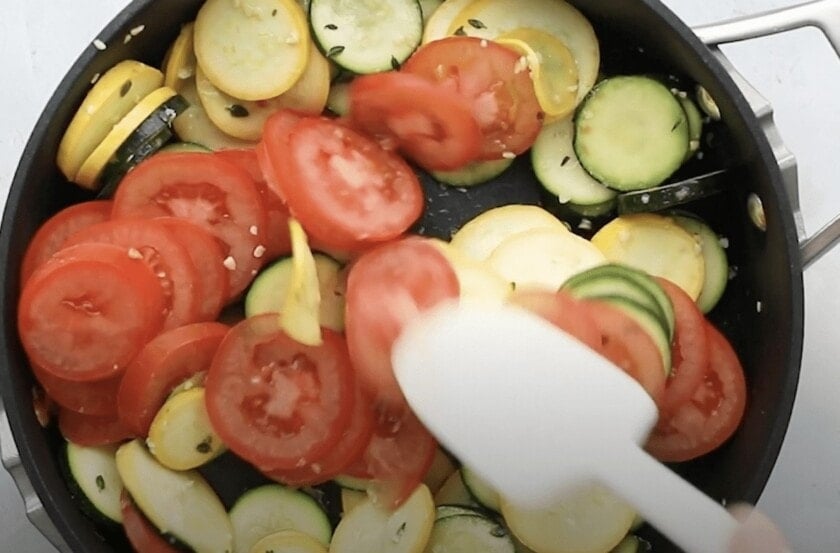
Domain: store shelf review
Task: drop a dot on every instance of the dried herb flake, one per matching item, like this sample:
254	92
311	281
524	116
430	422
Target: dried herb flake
566	160
676	125
476	24
125	88
395	63
238	110
460	31
100	482
331	26
204	447
334	51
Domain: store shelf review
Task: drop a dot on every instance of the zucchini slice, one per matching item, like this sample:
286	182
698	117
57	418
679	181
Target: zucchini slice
93	477
492	18
372	529
288	541
695	123
440	20
94	165
444	511
485	494
113	96
656	245
262	511
558	169
468	533
544	258
252	50
180	63
473	174
590	520
181	436
483	234
244	119
338	100
631	133
195	126
180	504
369	36
716	263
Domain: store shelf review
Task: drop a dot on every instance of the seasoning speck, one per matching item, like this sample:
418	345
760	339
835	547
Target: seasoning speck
99	45
331	26
134	253
127	38
645	199
125	88
460	32
229	263
238	110
483	43
254	230
137	30
95	78
259	251
758	307
204	447
585	224
100	482
395	63
508	155
334	51
566	159
724	242
476	24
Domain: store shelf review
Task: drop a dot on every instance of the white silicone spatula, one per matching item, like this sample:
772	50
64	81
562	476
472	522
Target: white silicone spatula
536	413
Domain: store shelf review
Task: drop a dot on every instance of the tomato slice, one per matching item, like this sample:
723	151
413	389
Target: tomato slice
274	146
346	190
490	77
51	235
350	446
87	312
712	414
386	287
141	534
168	360
159	248
209	191
207	256
277	240
690	349
97	397
275	402
433	125
91	430
627	345
398	456
562	310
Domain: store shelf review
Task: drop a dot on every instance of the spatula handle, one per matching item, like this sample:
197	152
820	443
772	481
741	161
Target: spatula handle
684	514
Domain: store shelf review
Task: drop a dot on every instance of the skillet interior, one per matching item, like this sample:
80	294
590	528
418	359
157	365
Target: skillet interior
636	35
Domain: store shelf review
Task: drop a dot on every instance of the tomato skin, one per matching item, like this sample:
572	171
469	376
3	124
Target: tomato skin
690	349
398	456
432	125
207	257
166	256
86	313
275	402
386	287
350	446
97	397
503	99
92	430
274	146
627	345
207	190
347	192
712	414
141	534
562	310
277	240
166	361
50	236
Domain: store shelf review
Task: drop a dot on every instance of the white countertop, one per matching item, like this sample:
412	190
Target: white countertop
798	72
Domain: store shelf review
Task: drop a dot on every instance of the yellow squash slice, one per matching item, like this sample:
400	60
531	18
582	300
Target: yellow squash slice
299	317
288	541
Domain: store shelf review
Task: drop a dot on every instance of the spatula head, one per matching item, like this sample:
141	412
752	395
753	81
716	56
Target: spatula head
528	407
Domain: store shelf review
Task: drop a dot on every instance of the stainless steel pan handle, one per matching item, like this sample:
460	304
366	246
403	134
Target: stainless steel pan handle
822	14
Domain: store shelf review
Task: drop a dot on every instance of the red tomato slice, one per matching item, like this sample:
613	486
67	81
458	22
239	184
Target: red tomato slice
346	191
97	397
386	287
627	345
91	430
711	415
562	310
277	241
141	534
51	235
161	249
275	402
207	190
397	457
689	352
433	125
350	446
87	312
503	99
207	256
275	145
168	360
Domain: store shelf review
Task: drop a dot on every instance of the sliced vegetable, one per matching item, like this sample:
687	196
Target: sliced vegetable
113	96
92	473
428	7
178	503
350	499
631	133
657	245
716	263
195	126
300	315
391	30
142	535
563	311
439	21
483	492
454	492
442	467
255	50
288	541
181	436
338	100
695	123
263	511
468	533
473	174
91	430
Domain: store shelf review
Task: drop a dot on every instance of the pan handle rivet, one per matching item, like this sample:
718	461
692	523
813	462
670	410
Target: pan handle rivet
755	209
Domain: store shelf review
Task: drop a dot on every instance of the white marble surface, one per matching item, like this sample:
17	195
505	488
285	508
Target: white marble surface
798	72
